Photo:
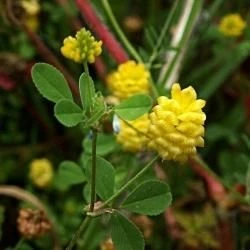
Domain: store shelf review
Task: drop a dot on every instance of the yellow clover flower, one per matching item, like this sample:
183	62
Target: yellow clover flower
82	47
176	127
41	172
131	78
132	134
232	25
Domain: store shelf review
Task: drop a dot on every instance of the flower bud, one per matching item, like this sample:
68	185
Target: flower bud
82	47
41	172
232	25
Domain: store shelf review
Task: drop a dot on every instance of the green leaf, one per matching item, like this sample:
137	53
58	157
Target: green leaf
105	177
87	91
133	107
50	82
98	111
105	144
68	113
86	192
150	198
125	234
70	174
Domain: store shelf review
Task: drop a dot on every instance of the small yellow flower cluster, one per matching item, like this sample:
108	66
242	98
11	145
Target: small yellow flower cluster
132	134
82	47
41	172
32	9
131	78
232	25
176	126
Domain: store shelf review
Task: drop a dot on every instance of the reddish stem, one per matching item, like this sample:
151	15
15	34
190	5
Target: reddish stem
247	105
112	45
6	82
172	223
215	189
49	57
226	238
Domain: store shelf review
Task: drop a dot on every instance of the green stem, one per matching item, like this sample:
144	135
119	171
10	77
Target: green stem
129	183
153	88
119	32
93	171
87	237
79	231
164	31
87	219
86	68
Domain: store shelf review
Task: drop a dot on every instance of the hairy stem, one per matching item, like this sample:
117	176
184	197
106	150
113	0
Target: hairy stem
79	231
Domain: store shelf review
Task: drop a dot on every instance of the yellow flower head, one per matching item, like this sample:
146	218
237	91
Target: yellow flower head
41	172
132	135
232	25
31	7
131	78
176	127
82	47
